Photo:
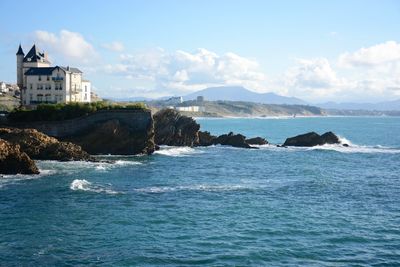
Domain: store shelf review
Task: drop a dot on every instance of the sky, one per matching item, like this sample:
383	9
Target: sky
316	50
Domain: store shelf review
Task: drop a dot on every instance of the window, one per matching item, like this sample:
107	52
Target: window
39	98
85	88
40	78
31	86
85	96
48	78
30	97
48	86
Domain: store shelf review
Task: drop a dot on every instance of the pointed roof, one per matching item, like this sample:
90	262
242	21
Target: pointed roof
20	51
35	56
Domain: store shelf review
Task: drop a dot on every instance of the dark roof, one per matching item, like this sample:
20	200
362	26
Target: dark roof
40	71
20	51
71	69
35	56
49	70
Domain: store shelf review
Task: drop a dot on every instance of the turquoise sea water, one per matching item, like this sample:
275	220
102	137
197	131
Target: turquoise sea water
216	206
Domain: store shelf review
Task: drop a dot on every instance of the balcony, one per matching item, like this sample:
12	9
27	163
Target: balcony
57	79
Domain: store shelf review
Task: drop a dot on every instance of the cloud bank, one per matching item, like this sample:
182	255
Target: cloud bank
367	73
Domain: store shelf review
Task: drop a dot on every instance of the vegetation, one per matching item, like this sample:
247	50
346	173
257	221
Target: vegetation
55	112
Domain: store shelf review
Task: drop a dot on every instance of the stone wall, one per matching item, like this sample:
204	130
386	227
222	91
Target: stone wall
135	120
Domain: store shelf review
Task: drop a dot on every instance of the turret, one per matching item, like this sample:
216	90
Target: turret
20	75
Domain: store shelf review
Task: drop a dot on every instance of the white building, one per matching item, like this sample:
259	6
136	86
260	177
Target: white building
191	109
41	83
3	87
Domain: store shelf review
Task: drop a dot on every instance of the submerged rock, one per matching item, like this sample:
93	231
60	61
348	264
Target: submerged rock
13	161
174	129
312	139
257	141
37	145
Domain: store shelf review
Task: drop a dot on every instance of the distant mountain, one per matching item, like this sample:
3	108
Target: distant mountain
381	106
238	93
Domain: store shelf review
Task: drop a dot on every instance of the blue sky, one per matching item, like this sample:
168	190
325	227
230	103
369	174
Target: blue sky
315	50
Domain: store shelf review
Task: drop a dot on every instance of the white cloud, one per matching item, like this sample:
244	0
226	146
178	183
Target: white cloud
114	46
379	54
181	71
71	46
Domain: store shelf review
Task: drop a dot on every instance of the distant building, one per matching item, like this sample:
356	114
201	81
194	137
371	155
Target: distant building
191	109
41	83
200	98
3	87
174	100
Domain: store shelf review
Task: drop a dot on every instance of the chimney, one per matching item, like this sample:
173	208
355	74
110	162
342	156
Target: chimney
67	68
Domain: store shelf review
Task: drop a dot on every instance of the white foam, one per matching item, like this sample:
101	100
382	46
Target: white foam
351	148
357	149
84	185
127	162
200	187
174	151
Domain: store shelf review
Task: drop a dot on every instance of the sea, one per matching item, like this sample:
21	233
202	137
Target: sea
216	206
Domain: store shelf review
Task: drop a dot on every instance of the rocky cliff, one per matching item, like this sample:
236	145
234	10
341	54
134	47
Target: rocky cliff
115	137
39	146
173	129
13	161
120	131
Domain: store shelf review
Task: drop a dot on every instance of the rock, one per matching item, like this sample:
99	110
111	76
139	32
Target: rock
231	139
330	138
257	141
113	137
40	146
345	145
206	139
13	161
312	139
173	129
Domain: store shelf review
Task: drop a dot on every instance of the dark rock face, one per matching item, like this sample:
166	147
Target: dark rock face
312	139
173	129
231	139
113	137
13	161
206	139
40	146
256	141
330	138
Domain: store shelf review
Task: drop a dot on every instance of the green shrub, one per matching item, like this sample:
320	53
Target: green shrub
54	112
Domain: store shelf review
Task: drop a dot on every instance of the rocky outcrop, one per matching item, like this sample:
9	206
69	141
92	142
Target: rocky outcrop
115	131
13	161
42	147
312	139
173	129
206	139
231	139
115	137
257	141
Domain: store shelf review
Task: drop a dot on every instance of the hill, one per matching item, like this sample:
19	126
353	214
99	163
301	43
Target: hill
250	109
238	93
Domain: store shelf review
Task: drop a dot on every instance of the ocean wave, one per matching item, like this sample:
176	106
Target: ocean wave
84	185
74	166
357	149
6	179
351	148
174	151
201	187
